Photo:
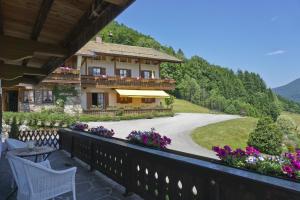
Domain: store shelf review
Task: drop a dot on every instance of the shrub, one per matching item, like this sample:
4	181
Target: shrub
14	131
266	137
291	136
286	125
169	101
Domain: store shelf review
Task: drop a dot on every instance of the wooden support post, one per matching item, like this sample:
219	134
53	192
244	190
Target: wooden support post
0	111
140	68
115	66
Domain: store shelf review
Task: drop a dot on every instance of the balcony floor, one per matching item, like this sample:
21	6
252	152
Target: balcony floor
89	185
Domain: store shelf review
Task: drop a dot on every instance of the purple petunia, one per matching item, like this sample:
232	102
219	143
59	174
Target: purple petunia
288	170
149	138
251	151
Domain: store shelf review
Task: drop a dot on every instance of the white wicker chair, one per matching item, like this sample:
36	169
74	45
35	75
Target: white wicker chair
37	181
15	144
0	146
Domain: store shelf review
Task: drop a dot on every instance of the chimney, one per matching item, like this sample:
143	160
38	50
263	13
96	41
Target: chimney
98	39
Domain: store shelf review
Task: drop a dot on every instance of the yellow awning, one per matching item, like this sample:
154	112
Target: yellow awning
143	93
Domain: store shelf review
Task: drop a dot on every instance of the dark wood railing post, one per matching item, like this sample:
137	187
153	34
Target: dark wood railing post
128	177
92	156
72	147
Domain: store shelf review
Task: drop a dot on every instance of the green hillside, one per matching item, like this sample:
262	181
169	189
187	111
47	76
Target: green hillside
183	106
205	84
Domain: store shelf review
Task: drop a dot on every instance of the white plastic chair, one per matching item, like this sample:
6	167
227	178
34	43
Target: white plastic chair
15	144
37	181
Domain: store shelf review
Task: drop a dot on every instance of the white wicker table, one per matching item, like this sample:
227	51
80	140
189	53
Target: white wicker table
43	151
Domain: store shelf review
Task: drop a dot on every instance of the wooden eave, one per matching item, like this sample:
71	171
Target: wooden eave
37	36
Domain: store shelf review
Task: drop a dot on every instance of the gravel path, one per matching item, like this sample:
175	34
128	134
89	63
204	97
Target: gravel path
178	128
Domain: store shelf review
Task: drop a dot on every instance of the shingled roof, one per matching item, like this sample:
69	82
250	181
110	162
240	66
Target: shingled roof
93	48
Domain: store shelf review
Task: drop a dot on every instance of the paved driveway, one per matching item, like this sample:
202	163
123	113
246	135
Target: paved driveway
178	128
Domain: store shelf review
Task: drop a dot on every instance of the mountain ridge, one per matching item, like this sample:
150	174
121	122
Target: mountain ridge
290	91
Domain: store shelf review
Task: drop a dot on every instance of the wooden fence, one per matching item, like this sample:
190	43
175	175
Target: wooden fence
49	137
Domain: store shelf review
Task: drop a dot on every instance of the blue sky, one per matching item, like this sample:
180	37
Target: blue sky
262	36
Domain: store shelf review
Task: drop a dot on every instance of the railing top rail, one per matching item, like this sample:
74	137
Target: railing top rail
105	77
196	161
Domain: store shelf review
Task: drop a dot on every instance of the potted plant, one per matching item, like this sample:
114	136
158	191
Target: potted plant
101	131
149	138
80	126
286	165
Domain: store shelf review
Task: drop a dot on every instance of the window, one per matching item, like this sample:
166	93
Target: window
124	99
148	100
123	73
147	74
98	100
97	71
28	96
47	96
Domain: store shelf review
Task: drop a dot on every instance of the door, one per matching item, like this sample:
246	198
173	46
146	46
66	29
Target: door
12	98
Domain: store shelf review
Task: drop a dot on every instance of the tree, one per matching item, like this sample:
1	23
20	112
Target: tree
266	137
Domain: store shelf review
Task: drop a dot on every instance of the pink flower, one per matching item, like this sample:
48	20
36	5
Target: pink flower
287	169
251	151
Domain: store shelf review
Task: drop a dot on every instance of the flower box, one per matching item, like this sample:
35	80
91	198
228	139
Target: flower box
286	166
149	138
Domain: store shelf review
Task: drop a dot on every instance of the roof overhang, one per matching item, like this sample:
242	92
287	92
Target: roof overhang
38	36
143	93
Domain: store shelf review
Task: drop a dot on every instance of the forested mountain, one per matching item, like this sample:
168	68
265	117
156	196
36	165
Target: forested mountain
212	86
290	91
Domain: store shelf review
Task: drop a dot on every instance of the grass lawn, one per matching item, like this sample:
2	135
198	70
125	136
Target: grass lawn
182	106
294	116
233	132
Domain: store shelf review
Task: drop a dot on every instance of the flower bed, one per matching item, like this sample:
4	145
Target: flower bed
149	138
287	165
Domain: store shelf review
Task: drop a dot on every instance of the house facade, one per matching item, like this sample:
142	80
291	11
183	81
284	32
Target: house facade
101	77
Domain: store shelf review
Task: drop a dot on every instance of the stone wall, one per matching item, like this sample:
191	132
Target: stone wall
72	104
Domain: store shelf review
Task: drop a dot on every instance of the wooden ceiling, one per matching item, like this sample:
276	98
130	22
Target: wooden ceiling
37	36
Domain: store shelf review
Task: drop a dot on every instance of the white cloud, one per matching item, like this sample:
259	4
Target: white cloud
273	53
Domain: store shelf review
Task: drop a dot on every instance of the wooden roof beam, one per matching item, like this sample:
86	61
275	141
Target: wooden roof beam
11	72
86	20
92	23
26	80
1	19
41	18
117	2
95	19
16	49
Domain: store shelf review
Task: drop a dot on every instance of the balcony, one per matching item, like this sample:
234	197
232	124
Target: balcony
108	167
71	76
127	83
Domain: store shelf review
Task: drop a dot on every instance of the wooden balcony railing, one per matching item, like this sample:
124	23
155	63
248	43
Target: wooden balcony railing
128	83
128	111
61	77
172	175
